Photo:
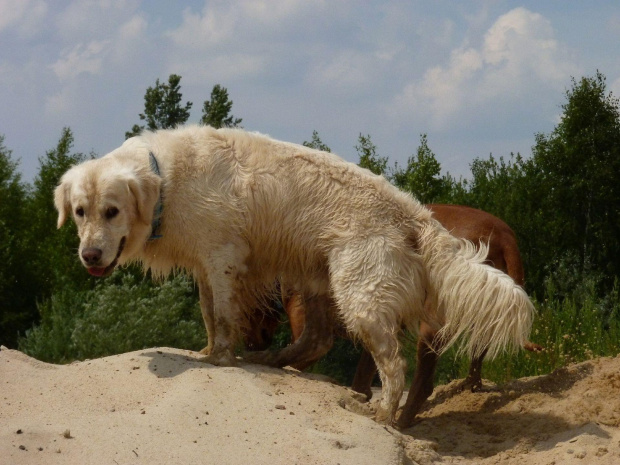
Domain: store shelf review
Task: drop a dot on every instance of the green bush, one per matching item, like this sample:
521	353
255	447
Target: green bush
122	314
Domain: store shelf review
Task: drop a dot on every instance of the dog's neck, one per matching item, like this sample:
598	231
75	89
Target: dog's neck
159	206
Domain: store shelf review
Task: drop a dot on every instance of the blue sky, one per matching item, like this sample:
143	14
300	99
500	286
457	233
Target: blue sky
478	77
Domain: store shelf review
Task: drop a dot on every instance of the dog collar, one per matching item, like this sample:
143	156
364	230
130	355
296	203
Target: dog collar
159	206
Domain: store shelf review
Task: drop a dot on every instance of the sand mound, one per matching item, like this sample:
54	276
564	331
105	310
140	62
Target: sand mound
162	406
569	416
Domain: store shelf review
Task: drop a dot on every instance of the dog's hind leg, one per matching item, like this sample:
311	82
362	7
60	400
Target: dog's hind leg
365	278
422	384
206	308
473	381
384	347
316	339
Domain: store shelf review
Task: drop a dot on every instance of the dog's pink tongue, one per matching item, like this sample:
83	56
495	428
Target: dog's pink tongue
96	271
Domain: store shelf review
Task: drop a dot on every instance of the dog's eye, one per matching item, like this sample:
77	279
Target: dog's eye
79	211
111	212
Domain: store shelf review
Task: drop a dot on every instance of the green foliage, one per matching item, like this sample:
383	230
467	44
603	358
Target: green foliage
121	314
33	252
340	362
50	248
510	189
16	309
421	177
216	112
316	143
579	167
369	159
162	107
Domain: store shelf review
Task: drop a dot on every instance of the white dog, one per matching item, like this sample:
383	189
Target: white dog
240	211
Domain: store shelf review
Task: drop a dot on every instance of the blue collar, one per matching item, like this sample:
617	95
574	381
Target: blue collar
159	206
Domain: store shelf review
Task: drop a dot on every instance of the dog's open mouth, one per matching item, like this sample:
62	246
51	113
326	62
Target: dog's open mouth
101	271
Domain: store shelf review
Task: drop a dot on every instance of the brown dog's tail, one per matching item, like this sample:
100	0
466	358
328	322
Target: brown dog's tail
478	304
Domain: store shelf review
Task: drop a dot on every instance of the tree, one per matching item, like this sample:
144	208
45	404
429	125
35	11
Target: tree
16	307
216	112
162	107
369	159
579	167
421	176
316	143
510	189
52	260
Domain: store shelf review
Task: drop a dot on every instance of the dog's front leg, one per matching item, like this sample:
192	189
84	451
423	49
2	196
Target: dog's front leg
223	318
206	308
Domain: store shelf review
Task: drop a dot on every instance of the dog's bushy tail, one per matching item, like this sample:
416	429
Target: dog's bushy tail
478	304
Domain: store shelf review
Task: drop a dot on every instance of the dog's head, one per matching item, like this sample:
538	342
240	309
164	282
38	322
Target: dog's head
112	206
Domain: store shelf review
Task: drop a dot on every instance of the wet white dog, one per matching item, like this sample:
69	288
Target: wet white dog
240	211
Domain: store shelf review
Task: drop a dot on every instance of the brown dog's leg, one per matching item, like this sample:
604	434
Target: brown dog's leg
473	381
422	384
315	341
364	374
474	378
294	307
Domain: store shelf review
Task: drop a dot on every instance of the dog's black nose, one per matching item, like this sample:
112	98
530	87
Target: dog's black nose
91	255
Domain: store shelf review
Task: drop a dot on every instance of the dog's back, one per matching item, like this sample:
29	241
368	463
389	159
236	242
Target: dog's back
293	205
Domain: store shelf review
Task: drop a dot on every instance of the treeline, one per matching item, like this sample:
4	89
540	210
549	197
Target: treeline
563	202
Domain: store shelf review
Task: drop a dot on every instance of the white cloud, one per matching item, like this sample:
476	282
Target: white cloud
23	15
93	18
347	69
224	22
247	36
518	54
206	29
83	58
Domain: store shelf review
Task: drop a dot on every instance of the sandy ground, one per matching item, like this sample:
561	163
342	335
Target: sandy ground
162	406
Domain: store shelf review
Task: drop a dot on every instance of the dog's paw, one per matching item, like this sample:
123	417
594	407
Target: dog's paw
222	359
384	416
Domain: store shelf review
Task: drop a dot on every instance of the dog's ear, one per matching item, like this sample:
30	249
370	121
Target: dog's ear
145	188
62	196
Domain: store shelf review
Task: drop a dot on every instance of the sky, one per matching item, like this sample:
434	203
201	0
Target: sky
478	77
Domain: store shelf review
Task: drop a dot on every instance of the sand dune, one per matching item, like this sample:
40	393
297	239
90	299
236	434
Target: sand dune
162	406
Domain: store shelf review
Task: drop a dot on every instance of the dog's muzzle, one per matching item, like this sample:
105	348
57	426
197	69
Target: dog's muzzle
101	271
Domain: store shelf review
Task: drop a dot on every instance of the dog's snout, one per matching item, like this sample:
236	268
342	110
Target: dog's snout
91	255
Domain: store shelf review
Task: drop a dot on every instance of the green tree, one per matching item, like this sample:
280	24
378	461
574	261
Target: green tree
369	159
162	107
53	258
421	177
510	189
216	112
17	309
579	167
316	143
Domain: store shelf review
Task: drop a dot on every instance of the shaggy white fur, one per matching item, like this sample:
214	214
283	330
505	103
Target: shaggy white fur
241	211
